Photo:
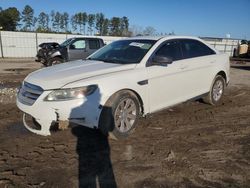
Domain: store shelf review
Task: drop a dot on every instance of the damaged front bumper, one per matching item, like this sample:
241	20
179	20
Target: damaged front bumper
38	126
45	114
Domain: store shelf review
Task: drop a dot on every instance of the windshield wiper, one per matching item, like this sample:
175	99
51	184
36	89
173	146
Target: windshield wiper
111	61
106	60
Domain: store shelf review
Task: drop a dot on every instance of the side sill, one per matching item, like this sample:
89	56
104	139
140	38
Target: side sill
192	99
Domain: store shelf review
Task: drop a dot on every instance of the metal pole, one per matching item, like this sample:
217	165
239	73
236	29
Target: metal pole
36	43
225	47
232	48
1	44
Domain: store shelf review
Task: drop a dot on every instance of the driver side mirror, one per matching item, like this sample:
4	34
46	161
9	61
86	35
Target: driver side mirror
161	60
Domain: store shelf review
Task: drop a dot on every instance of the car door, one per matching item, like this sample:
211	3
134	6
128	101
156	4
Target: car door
166	83
197	67
77	49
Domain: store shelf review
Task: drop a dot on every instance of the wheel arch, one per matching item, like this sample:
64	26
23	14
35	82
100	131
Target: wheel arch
135	93
105	110
223	74
50	61
56	56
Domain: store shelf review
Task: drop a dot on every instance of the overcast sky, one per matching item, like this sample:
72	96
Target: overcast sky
213	18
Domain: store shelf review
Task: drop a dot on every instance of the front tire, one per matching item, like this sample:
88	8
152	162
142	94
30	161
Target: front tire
120	115
216	91
55	61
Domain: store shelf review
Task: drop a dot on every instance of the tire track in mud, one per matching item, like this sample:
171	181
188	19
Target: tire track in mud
39	165
205	141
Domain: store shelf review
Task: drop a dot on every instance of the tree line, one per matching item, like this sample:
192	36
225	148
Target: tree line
61	22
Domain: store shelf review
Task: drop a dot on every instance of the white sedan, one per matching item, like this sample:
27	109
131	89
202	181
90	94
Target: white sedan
122	81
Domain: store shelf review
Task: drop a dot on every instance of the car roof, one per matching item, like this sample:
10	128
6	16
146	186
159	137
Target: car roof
168	37
85	37
162	37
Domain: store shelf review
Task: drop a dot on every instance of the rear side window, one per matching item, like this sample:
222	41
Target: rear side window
94	44
193	48
170	49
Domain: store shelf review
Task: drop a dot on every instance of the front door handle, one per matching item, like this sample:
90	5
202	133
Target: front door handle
143	82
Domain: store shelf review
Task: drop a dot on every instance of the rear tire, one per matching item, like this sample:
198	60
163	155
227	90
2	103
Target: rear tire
55	61
216	91
120	115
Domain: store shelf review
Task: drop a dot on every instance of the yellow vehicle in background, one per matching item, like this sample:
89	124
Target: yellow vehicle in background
243	49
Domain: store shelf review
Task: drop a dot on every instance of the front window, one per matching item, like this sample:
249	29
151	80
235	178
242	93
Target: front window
123	51
66	42
170	49
78	45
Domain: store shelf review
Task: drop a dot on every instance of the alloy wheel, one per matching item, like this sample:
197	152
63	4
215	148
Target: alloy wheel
217	90
125	115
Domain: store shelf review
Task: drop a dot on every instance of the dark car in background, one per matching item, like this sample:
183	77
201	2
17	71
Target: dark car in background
71	49
43	49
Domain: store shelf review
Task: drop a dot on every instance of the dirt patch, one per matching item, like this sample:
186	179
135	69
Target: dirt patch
16	71
190	145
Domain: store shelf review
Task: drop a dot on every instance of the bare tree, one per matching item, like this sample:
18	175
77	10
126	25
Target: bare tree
99	22
105	27
136	30
28	18
149	31
124	25
91	22
43	22
64	21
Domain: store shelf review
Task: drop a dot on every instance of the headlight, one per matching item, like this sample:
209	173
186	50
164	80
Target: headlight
69	94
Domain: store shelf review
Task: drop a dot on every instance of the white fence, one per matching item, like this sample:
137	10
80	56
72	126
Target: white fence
23	44
226	45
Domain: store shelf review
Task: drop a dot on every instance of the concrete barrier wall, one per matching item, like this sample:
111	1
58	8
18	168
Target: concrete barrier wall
18	44
1	52
223	45
24	44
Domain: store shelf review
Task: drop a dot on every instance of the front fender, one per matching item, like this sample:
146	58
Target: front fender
115	82
55	54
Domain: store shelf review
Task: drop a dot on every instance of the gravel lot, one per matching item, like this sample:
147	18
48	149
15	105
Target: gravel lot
190	145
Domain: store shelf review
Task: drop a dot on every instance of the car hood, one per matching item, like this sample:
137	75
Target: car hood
49	45
57	76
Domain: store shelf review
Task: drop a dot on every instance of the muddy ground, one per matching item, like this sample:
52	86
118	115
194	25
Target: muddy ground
190	145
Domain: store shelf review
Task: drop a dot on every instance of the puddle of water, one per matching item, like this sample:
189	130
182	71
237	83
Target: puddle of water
17	129
17	70
5	87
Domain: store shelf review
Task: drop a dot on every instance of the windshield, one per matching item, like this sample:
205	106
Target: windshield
66	42
123	51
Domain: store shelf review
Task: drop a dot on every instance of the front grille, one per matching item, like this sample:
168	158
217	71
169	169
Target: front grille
29	93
